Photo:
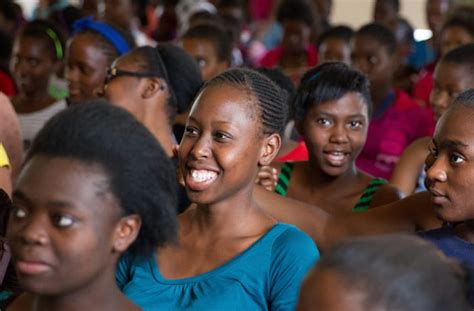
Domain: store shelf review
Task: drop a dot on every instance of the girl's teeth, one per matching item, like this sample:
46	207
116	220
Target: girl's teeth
202	175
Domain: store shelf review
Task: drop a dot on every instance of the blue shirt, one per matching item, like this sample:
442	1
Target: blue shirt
265	276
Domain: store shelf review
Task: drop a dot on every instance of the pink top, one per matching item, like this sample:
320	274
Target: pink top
389	135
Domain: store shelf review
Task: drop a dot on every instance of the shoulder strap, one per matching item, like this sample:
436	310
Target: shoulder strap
284	178
366	197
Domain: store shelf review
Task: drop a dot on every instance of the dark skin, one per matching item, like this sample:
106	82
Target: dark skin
66	233
335	133
373	59
219	157
32	64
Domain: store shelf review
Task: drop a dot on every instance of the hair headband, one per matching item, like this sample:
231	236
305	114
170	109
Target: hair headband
105	30
57	43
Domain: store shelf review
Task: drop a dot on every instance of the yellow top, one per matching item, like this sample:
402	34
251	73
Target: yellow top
4	162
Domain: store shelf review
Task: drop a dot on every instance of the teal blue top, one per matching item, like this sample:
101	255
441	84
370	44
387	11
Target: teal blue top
266	276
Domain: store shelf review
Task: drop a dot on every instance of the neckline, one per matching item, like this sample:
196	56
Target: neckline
203	276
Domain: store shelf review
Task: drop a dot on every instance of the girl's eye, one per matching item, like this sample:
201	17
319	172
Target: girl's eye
19	213
456	159
222	135
190	131
355	124
63	221
323	122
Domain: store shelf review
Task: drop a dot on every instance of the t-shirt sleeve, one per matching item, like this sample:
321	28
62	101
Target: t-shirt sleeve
122	273
293	255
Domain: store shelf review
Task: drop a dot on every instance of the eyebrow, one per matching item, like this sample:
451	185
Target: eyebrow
17	194
359	115
453	143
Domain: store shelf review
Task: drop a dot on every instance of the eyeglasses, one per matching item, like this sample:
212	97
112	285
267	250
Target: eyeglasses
113	73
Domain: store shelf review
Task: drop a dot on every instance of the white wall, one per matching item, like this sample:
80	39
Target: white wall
358	12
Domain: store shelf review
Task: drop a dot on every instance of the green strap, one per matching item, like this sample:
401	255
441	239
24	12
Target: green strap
366	197
284	179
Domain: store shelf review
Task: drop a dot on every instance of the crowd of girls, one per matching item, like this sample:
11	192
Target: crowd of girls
164	177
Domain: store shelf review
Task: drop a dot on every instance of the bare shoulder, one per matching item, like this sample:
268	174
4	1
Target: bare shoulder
384	195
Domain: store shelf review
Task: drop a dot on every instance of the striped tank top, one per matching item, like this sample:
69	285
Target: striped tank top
362	205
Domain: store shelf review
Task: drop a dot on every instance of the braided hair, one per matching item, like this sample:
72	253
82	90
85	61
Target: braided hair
270	99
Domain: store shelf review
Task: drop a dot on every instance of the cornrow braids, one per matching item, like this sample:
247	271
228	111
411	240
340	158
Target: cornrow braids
271	100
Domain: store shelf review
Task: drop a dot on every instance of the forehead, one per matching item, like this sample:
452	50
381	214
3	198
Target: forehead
456	125
453	74
368	44
348	105
224	102
199	47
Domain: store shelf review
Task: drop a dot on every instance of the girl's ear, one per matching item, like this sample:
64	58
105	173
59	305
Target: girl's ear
126	231
271	146
153	86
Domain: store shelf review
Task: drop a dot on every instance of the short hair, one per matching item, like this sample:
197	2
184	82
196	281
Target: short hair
219	39
8	10
327	82
462	16
404	31
295	10
270	100
6	47
465	99
141	176
381	34
50	33
341	32
463	56
397	272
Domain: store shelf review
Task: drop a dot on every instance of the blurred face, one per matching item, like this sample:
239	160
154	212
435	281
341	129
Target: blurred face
453	37
449	80
295	36
86	68
32	65
384	13
323	7
118	12
334	49
61	226
372	58
450	169
326	290
205	54
219	152
335	133
435	13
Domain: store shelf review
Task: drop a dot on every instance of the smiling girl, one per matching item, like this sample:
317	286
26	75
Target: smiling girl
231	255
332	110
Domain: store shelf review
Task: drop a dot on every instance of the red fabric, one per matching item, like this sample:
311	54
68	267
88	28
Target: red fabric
299	153
272	57
7	85
424	85
389	135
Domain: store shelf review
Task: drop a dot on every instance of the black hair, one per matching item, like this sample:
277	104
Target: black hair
397	272
109	50
8	10
141	176
6	47
295	10
327	82
283	81
463	56
216	36
342	32
395	4
270	100
50	33
462	16
465	99
381	34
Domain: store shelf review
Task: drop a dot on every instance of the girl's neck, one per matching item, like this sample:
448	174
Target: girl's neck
379	94
104	295
159	125
229	218
318	179
31	102
466	231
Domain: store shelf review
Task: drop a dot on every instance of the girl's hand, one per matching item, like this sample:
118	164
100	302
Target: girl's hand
267	177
